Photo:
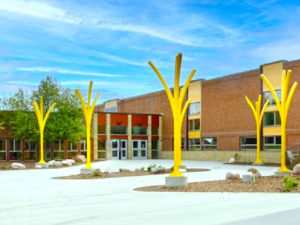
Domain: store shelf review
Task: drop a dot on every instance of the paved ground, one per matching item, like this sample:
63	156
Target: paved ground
31	197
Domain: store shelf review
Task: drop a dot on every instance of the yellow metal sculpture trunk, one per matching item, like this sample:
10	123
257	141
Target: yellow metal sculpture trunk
176	102
39	112
283	107
88	115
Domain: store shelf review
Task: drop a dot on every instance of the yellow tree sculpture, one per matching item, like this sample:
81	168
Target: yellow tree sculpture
176	102
88	115
258	115
283	108
39	112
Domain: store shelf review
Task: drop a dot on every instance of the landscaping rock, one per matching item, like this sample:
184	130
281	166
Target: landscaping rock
158	169
68	162
254	172
232	175
54	163
18	166
80	158
41	165
296	169
231	160
124	170
38	166
248	178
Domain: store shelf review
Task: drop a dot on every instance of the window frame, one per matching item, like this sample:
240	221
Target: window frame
199	108
215	146
193	125
248	145
276	116
196	148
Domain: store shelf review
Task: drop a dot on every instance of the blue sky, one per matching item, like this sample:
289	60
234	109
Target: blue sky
111	41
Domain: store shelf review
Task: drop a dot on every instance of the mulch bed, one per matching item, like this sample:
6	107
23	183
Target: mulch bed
29	165
262	184
251	164
121	174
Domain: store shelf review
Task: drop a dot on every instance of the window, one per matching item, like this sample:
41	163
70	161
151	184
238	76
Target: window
140	130
59	149
154	131
73	146
154	146
83	145
2	149
194	108
182	143
272	143
194	144
118	129
248	143
272	119
101	149
30	150
209	143
111	109
101	129
15	150
268	95
194	125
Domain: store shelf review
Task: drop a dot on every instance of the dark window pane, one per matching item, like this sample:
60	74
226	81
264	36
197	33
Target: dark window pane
269	140
269	119
154	130
101	144
101	129
118	129
139	130
278	140
249	140
2	145
154	144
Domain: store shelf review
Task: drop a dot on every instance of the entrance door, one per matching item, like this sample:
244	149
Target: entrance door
139	149
115	148
123	149
118	149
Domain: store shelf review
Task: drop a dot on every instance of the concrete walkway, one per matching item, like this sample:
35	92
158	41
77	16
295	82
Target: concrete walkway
31	197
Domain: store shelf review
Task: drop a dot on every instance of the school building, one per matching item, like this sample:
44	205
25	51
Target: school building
218	124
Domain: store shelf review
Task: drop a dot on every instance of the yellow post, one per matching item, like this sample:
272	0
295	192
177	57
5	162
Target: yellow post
39	112
283	109
88	115
176	102
258	115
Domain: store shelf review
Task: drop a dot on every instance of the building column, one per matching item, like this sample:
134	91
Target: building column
149	132
95	135
108	142
129	139
160	136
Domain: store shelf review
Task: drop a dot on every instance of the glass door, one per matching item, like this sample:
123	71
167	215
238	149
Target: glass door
123	145
115	147
139	149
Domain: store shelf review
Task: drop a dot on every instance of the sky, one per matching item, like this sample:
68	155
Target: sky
111	41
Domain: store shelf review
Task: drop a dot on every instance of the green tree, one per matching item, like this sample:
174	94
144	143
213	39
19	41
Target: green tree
66	121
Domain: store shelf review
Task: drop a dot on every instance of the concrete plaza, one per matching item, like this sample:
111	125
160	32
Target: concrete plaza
31	197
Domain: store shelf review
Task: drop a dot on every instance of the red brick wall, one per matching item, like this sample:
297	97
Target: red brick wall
225	113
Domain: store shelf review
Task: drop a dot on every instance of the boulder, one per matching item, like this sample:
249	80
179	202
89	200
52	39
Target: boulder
296	169
124	170
231	160
80	158
248	178
254	172
18	166
231	175
157	169
68	162
38	166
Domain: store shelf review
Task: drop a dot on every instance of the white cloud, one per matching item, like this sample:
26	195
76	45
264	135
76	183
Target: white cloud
65	71
176	34
38	9
103	84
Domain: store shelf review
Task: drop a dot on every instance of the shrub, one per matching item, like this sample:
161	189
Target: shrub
149	168
97	173
236	156
290	183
